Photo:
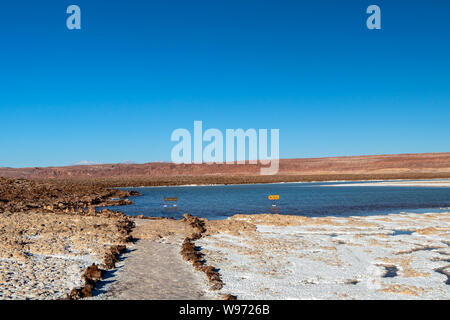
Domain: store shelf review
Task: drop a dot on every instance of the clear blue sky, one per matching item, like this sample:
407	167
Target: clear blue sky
137	70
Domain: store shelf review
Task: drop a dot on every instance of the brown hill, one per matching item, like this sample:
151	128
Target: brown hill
402	166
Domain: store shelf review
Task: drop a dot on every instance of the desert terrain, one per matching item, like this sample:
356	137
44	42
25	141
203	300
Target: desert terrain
377	167
58	243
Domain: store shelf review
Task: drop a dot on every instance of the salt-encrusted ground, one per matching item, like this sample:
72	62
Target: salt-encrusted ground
153	269
393	183
42	276
42	256
398	256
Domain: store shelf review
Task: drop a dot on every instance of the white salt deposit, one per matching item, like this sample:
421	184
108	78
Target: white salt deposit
346	259
417	183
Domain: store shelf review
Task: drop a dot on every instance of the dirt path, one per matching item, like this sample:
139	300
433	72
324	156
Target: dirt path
153	269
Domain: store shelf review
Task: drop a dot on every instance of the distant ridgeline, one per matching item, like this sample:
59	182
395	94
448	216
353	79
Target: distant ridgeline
402	166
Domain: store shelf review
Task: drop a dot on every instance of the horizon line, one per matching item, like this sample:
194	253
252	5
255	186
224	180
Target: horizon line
223	163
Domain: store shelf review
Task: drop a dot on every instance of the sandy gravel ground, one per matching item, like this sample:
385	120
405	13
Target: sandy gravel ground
398	256
153	267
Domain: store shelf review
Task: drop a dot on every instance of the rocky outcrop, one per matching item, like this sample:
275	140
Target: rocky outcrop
20	195
91	276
